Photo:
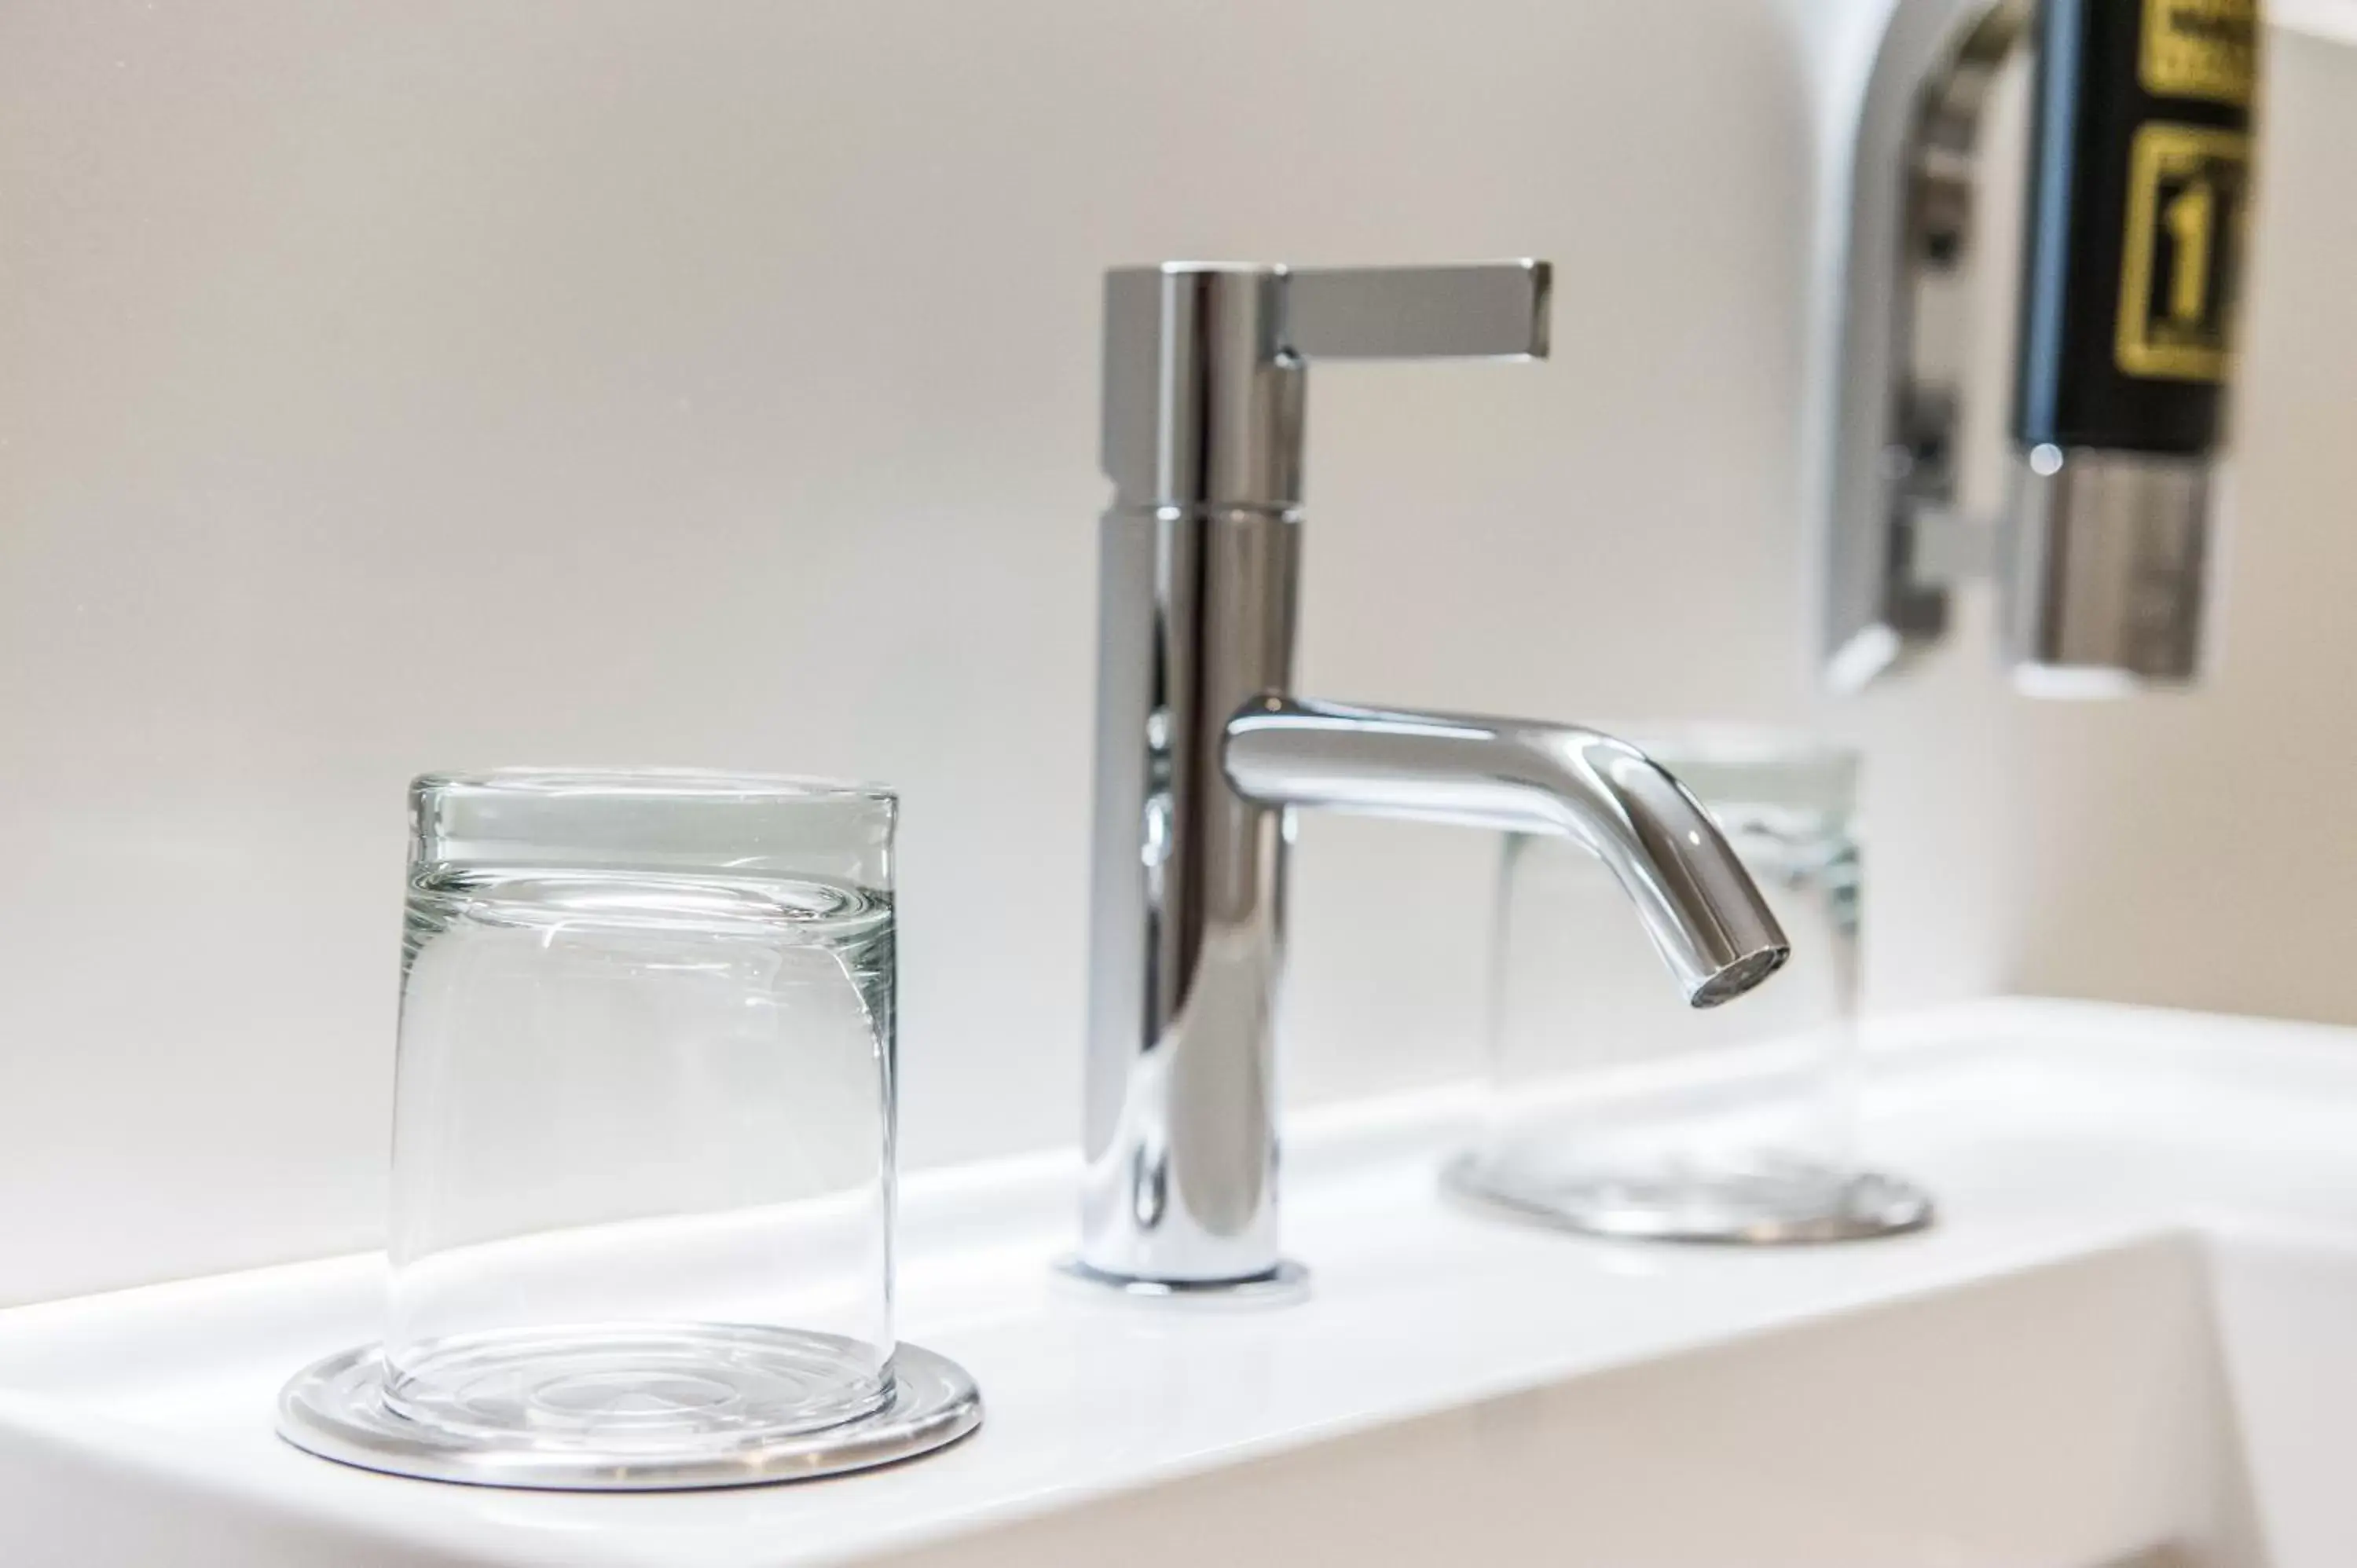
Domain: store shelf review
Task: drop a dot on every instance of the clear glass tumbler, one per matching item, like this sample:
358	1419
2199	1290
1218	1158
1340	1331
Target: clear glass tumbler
643	1112
1614	1108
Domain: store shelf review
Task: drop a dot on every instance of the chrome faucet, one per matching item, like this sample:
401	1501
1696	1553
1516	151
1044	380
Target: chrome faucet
1203	751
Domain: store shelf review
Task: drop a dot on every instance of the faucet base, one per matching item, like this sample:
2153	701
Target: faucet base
1281	1287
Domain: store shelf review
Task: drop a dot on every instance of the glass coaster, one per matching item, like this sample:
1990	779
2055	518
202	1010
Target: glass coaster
1786	1205
601	1434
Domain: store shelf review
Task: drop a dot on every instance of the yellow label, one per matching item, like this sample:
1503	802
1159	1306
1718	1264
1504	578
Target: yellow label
2200	48
2187	190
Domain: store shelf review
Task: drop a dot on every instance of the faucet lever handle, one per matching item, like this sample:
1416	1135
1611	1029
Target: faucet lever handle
1492	310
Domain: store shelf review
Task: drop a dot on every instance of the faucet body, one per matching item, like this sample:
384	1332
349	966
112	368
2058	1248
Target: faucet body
1202	750
2131	264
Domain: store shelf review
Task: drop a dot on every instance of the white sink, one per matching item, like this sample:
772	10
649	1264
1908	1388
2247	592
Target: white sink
2182	1402
2132	1340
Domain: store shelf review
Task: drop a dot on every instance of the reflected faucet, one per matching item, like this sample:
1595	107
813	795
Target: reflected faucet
1203	752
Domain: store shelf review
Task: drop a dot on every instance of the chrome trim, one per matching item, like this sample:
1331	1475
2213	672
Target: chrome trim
1281	1287
2110	564
1904	326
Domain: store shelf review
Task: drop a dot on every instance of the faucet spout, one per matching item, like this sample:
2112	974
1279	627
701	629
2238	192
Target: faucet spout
1694	897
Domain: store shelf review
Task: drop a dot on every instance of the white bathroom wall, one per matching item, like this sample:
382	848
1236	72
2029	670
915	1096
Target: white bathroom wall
390	386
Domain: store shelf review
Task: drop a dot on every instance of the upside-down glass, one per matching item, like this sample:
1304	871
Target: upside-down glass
1614	1109
643	1153
642	1126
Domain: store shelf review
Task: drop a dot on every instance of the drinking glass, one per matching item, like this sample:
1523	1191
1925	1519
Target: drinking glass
643	1150
1614	1108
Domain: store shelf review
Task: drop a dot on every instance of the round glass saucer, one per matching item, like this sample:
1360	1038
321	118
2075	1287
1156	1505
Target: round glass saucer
336	1409
1798	1205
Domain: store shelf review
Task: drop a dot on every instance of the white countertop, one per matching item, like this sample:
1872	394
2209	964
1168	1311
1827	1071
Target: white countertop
2046	1130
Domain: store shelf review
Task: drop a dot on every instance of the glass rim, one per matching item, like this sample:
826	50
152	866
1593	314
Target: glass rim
630	783
1733	764
1724	743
